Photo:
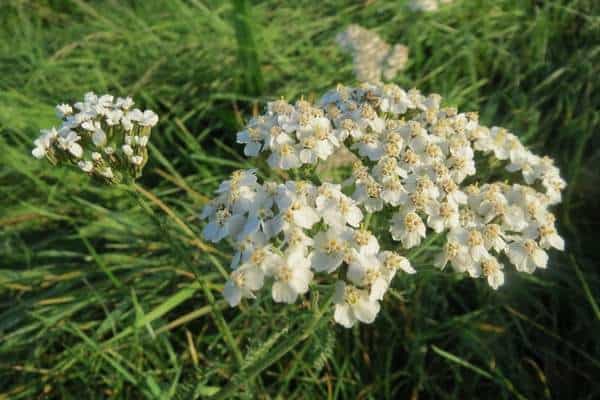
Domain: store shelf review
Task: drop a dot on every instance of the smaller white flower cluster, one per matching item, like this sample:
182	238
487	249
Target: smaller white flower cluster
427	5
373	57
291	231
420	170
294	134
103	136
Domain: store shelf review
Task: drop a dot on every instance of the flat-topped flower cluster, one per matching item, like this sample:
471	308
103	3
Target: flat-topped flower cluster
421	170
289	231
373	58
103	136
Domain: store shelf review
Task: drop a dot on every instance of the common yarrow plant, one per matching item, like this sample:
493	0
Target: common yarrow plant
420	169
102	136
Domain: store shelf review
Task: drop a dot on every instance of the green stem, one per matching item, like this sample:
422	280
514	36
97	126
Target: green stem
253	371
215	308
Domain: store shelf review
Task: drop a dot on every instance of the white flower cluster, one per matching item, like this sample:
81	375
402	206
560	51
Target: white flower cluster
104	137
427	5
419	169
291	231
294	134
372	56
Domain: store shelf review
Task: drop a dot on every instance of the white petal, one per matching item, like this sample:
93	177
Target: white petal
243	137
323	149
366	310
301	280
307	156
252	149
356	272
213	232
127	150
306	217
332	217
322	262
406	267
474	270
344	316
283	293
289	162
234	224
252	225
378	289
371	248
478	252
39	152
296	259
254	278
540	258
99	137
496	279
76	150
232	294
516	253
143	141
557	242
354	216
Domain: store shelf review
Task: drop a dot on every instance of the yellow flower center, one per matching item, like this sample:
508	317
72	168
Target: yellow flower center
284	274
333	246
258	256
351	295
412	221
475	238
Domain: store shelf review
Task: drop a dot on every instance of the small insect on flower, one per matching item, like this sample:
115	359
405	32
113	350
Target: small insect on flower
95	126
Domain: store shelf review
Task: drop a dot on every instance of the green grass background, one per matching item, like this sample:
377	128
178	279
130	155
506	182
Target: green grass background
107	293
